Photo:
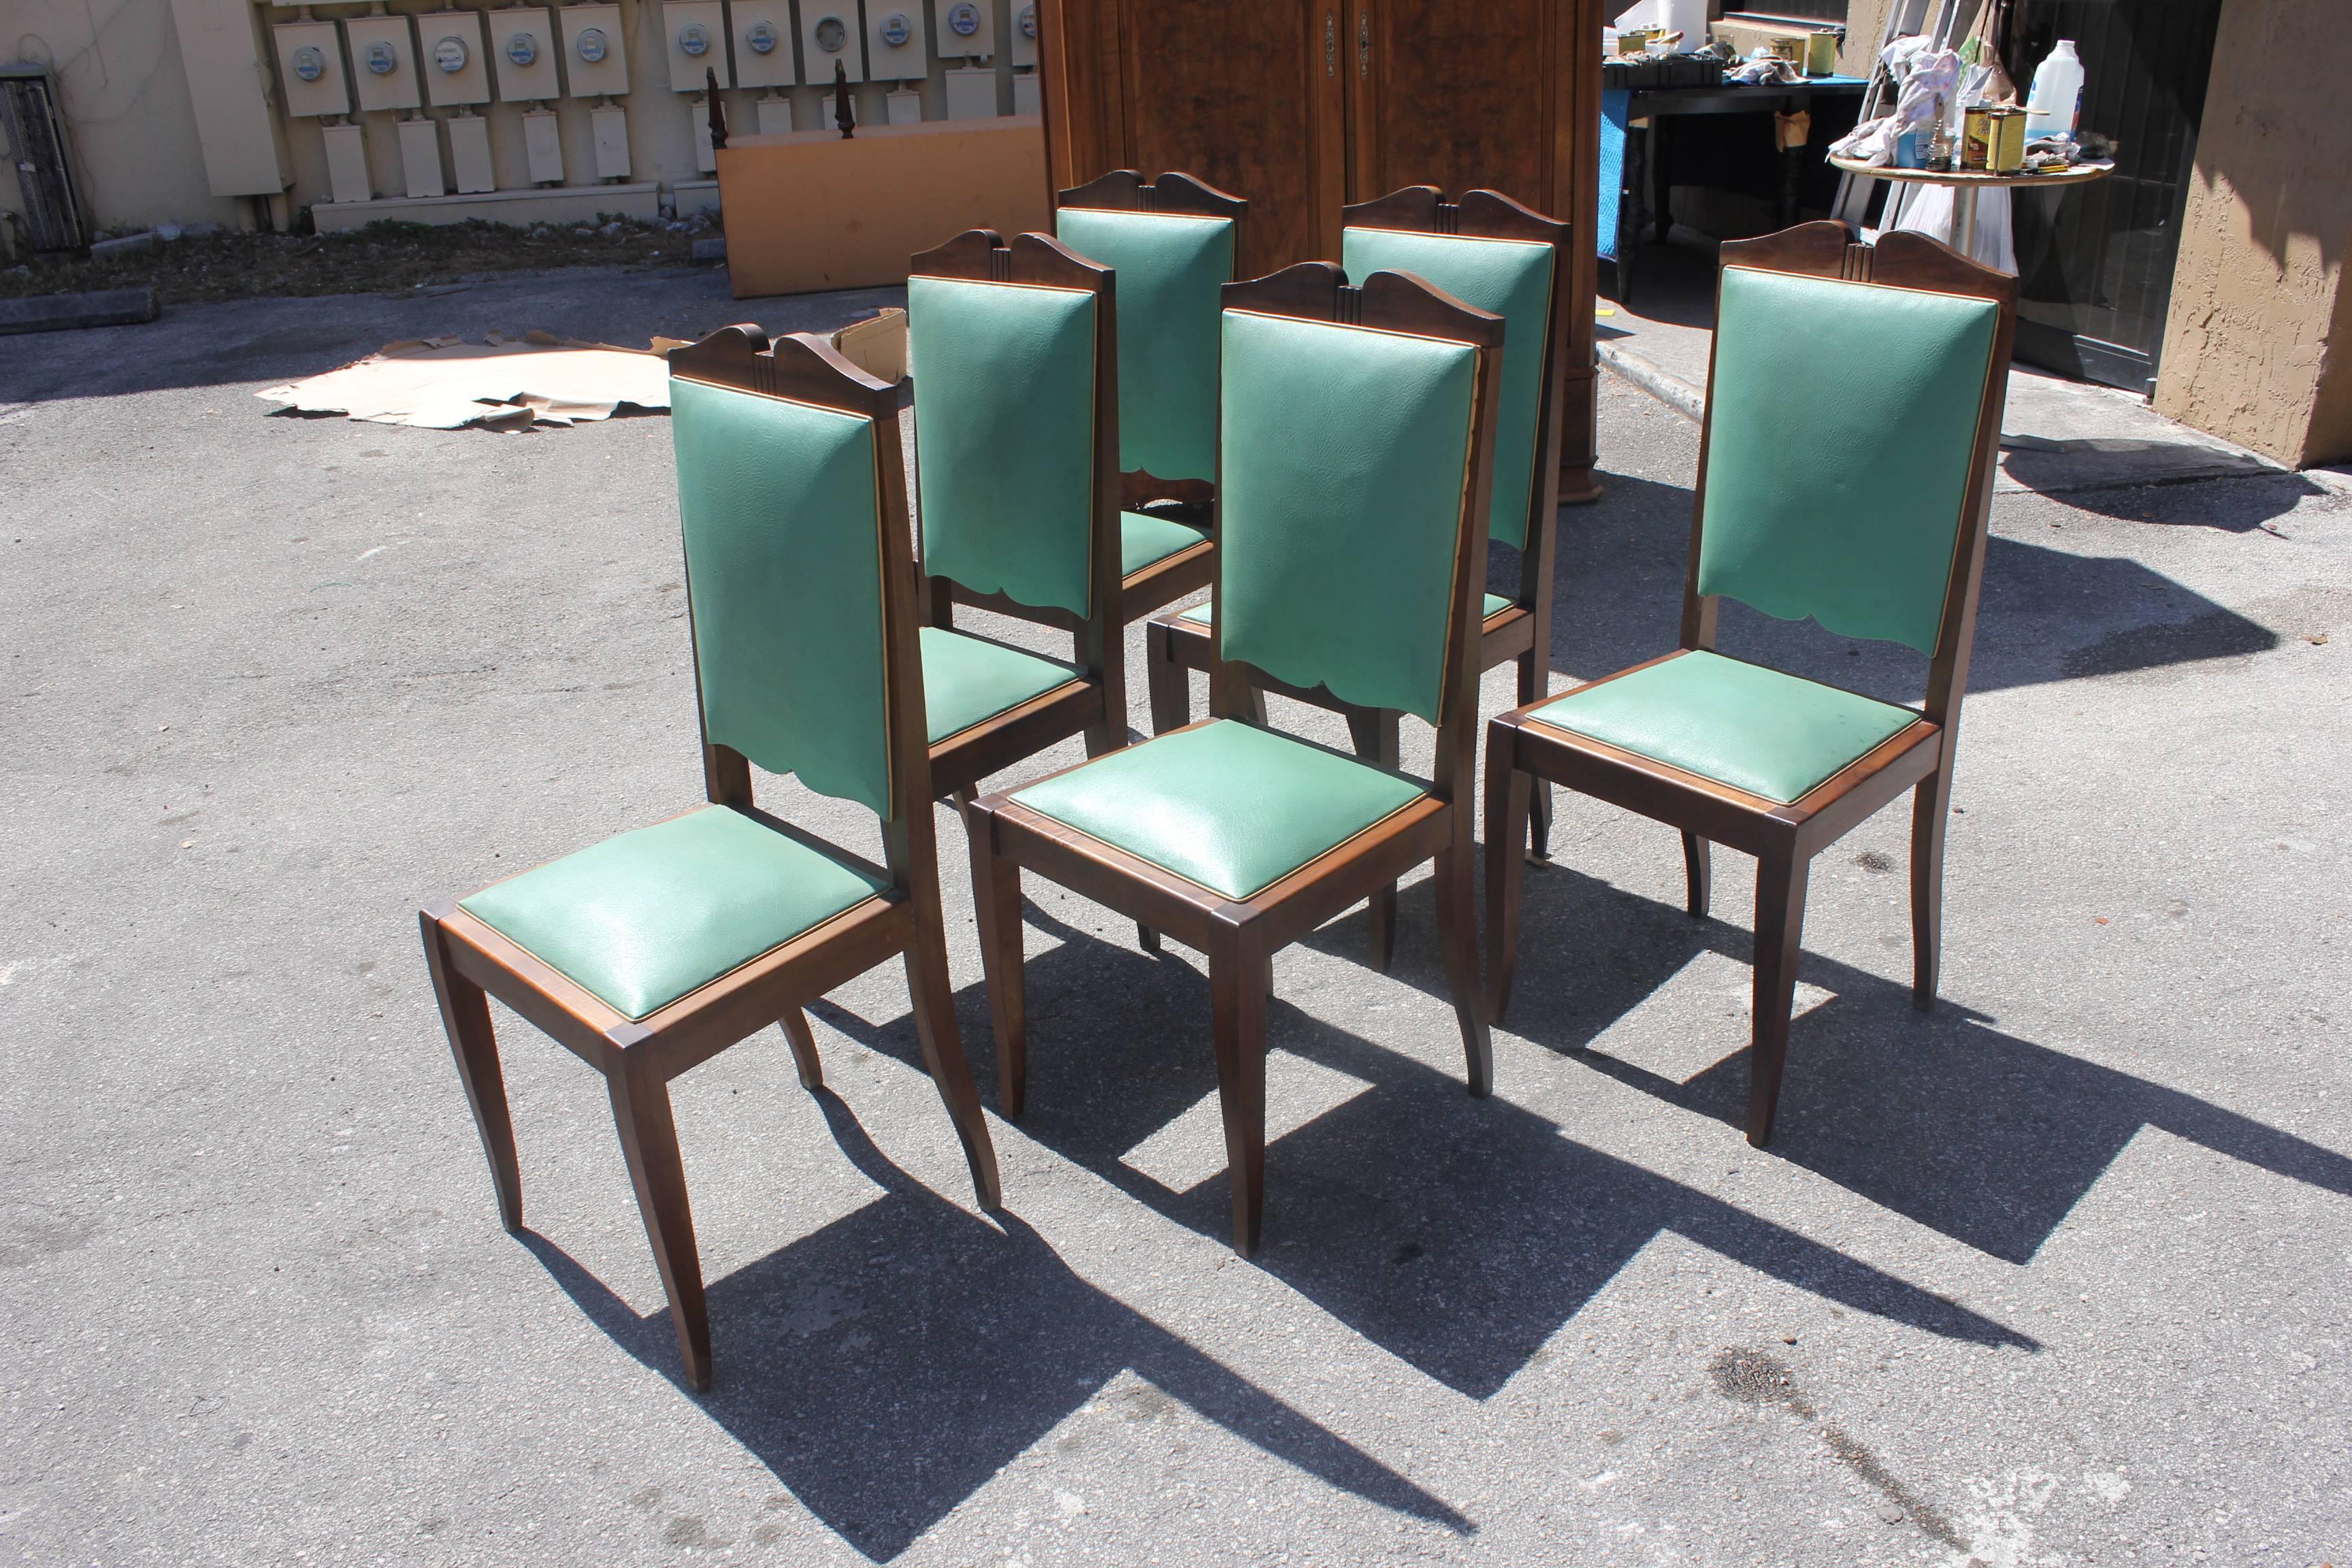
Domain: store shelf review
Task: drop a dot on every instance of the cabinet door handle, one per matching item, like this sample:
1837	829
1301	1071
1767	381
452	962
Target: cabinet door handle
1330	43
1363	45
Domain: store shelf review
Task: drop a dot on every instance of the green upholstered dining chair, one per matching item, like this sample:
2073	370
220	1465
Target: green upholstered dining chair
1171	242
653	951
1845	472
1490	252
1015	351
1355	448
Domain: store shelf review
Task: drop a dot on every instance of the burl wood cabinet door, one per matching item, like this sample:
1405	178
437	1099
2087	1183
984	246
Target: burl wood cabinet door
1453	95
1249	95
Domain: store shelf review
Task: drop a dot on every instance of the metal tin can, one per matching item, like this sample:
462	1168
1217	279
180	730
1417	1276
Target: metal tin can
1976	138
2008	142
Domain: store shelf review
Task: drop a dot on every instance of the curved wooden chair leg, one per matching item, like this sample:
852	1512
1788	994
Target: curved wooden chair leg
1698	875
649	1144
1779	932
1507	789
1532	689
1457	936
1374	734
466	1016
996	893
1929	811
1238	982
1164	680
1539	807
942	1042
796	1030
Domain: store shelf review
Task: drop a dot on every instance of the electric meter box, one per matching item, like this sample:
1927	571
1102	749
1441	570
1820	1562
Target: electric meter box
829	37
522	55
967	28
310	67
696	32
595	51
453	62
763	43
894	41
383	64
1024	47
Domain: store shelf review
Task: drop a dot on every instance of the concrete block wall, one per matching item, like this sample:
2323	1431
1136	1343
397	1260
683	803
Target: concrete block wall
138	155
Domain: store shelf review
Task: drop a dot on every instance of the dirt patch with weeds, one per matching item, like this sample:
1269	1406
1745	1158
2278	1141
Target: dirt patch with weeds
382	257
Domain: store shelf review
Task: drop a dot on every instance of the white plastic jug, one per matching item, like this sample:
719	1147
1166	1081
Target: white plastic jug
2055	103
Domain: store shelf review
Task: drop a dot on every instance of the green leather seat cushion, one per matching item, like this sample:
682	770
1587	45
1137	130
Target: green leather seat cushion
968	678
1204	614
1741	724
1144	538
642	919
1228	806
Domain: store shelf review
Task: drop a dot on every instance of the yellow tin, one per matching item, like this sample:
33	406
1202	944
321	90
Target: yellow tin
1976	138
2007	142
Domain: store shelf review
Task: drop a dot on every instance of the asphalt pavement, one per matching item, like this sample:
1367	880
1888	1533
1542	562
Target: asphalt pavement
2056	1274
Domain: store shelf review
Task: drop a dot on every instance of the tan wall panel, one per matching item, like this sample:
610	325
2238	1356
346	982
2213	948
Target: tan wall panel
128	116
2255	345
811	211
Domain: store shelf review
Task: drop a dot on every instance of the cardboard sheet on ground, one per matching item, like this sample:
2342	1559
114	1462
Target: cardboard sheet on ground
505	383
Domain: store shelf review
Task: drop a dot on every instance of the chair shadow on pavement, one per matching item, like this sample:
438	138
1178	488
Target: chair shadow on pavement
2048	614
1458	1235
1941	1117
885	1366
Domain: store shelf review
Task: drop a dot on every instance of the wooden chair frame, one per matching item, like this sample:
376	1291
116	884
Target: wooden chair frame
1094	704
1241	936
1783	838
469	959
1521	632
1191	502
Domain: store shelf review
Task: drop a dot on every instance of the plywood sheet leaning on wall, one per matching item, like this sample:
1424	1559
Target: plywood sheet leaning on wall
808	210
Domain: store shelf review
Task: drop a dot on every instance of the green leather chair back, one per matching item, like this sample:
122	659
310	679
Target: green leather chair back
1170	268
1842	421
1346	462
1005	436
1512	277
780	505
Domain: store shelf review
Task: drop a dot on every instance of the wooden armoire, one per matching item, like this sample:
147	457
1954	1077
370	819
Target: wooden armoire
1302	106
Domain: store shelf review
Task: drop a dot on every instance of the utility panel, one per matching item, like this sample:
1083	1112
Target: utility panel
696	34
1023	48
967	29
893	43
383	64
469	153
829	37
310	67
763	43
455	65
595	53
523	54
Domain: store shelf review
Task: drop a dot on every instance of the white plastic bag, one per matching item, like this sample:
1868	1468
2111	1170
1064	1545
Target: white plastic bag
1927	209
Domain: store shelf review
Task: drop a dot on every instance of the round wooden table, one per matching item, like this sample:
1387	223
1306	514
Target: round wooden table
1967	182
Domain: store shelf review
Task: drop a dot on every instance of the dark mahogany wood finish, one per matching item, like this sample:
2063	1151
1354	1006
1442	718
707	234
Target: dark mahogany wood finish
1241	937
1784	839
470	961
1305	105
